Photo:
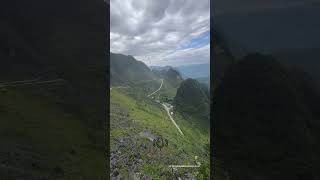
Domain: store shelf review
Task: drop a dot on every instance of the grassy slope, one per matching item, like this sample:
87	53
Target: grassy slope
42	140
144	114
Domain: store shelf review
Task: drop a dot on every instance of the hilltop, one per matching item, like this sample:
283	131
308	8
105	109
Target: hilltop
125	69
266	121
192	99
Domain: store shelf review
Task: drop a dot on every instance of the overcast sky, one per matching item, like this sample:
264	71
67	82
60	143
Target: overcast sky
246	6
161	32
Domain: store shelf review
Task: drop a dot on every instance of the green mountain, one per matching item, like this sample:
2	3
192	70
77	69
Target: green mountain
306	60
140	113
222	59
173	77
52	130
266	121
125	69
192	99
170	74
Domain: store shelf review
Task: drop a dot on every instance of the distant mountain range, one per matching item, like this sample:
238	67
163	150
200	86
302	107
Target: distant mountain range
189	71
195	70
190	95
159	102
125	69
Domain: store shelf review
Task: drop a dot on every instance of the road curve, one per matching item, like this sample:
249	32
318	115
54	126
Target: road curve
157	89
17	82
167	109
31	82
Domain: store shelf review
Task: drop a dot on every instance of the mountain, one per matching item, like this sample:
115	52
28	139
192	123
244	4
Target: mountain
266	121
194	70
192	99
142	113
204	80
170	74
46	129
222	58
306	60
136	120
173	77
125	69
160	68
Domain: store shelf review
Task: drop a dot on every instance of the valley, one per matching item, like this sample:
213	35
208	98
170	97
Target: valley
143	115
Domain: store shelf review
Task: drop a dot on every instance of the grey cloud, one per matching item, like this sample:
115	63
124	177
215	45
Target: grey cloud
244	6
150	29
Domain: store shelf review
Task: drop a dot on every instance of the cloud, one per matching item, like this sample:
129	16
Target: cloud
222	7
155	30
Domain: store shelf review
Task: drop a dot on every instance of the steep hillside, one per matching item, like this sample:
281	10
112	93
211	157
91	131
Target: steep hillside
173	77
192	99
125	69
306	60
141	112
54	130
266	122
136	121
222	59
170	74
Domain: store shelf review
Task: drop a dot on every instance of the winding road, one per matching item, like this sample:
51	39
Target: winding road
119	87
167	109
157	89
28	82
175	124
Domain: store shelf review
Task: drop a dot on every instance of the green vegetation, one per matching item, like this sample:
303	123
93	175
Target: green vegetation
53	131
266	121
41	140
133	114
192	100
139	122
125	69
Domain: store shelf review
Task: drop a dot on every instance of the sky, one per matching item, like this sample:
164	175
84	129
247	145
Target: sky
247	6
268	26
161	32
